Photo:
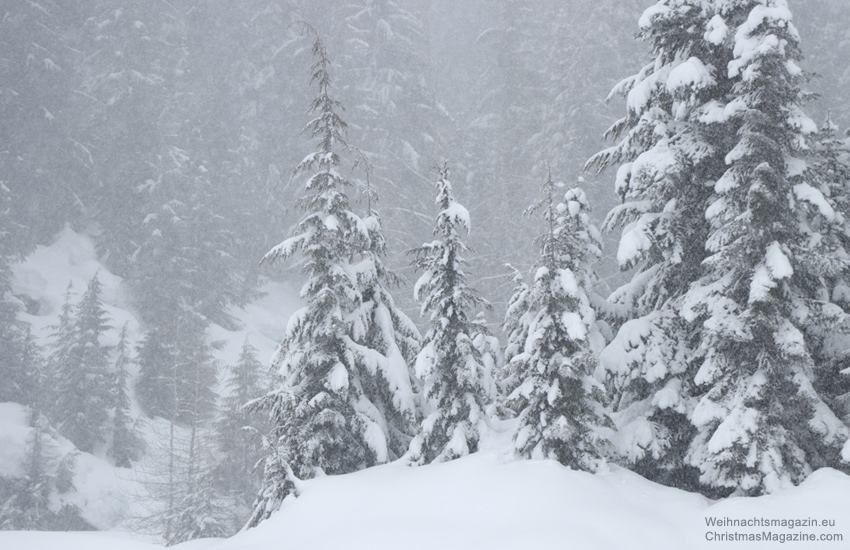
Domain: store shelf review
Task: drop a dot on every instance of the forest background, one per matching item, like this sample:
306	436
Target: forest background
164	132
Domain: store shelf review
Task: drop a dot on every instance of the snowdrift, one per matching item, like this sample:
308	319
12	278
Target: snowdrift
486	501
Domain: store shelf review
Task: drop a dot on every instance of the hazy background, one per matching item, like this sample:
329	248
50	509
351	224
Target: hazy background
164	130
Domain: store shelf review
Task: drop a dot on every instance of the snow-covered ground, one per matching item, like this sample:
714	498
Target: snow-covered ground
487	500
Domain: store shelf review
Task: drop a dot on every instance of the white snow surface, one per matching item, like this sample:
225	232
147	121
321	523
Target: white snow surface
805	192
692	75
488	501
458	215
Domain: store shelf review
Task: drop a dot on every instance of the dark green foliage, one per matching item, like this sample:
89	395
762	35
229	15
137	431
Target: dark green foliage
457	383
561	408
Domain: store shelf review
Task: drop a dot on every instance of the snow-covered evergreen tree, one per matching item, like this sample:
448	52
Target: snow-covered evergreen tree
182	500
830	173
155	360
62	338
238	432
515	326
80	365
667	151
199	514
168	356
457	381
561	407
737	253
26	502
126	445
33	499
774	244
381	326
194	507
20	359
344	399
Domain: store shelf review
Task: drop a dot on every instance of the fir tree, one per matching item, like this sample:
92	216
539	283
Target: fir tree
80	370
340	405
198	514
380	326
84	385
20	359
667	152
238	431
32	370
183	501
127	445
61	346
30	502
10	368
774	243
457	382
830	174
183	497
561	407
29	506
169	357
737	253
195	509
517	320
156	362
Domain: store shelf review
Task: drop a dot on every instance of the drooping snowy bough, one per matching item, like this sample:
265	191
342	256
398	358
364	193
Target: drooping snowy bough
561	406
457	377
736	235
345	397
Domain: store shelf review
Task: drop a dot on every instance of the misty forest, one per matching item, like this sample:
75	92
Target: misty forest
246	245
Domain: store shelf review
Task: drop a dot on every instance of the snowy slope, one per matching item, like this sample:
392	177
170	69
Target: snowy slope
109	496
484	501
43	277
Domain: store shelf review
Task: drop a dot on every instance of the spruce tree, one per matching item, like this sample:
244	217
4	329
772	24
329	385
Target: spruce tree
126	446
60	347
238	431
774	244
383	327
344	398
666	153
30	502
155	358
830	173
457	381
80	365
169	357
737	251
561	407
515	326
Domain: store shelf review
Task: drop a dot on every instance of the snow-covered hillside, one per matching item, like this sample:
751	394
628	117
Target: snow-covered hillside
486	501
110	497
45	275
